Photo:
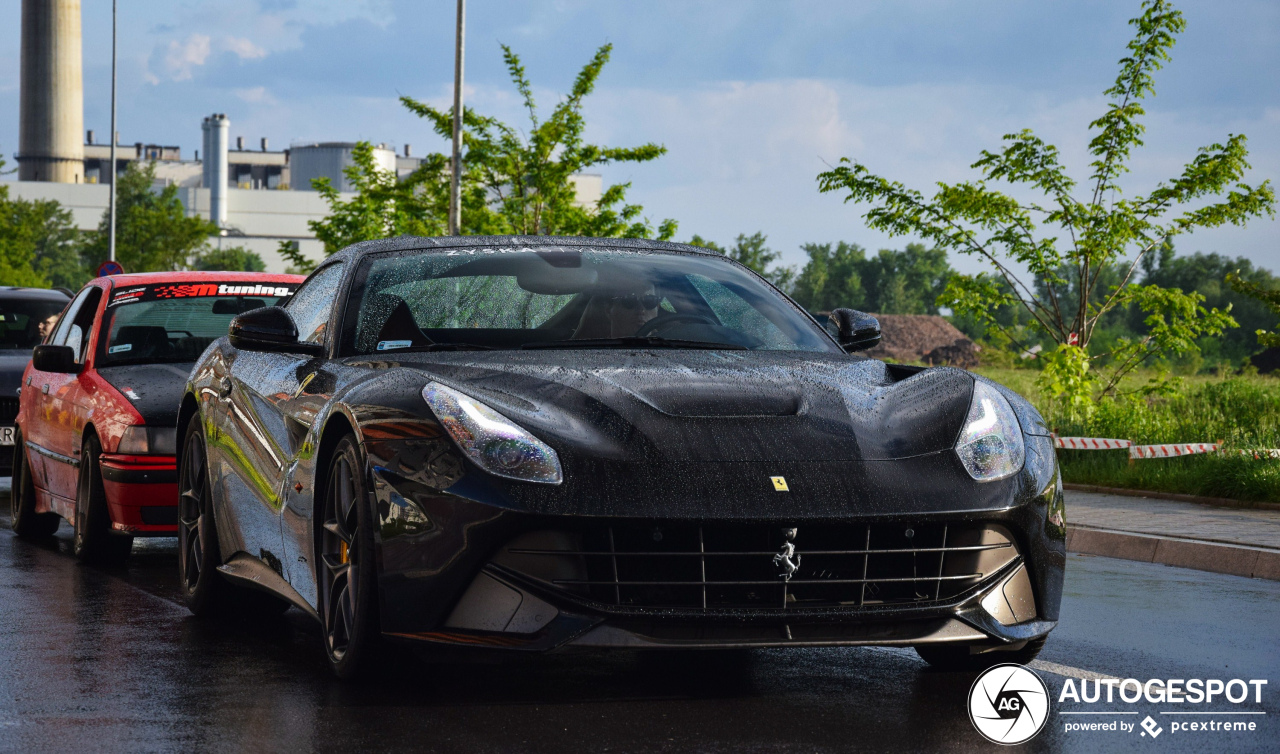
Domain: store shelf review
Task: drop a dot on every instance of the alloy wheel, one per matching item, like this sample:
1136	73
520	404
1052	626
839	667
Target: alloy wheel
340	555
193	514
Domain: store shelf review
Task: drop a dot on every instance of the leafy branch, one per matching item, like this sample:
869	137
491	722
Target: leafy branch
1069	263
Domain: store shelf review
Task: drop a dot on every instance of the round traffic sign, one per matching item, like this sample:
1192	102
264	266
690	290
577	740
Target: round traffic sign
110	267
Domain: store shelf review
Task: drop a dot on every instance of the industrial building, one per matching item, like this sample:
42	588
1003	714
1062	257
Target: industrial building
258	197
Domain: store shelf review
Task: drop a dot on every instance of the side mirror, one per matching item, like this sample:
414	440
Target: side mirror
55	359
269	329
854	330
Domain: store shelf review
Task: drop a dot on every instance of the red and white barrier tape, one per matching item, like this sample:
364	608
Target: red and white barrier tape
1172	450
1167	450
1090	443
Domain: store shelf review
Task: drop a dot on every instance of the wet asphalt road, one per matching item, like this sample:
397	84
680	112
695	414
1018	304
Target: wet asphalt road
109	660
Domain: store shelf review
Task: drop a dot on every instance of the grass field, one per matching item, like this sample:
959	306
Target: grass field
1243	412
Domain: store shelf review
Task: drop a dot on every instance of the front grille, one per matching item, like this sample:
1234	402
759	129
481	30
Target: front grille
8	411
742	566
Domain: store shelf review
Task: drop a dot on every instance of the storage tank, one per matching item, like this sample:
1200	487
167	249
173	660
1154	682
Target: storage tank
217	128
327	160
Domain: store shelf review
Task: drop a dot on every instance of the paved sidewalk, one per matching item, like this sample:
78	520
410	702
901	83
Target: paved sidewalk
1244	542
1170	518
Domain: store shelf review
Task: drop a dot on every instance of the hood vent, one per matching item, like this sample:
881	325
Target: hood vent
723	401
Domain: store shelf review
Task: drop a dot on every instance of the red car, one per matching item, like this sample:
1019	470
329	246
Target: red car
99	403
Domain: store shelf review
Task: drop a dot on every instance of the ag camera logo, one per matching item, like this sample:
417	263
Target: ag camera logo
1008	704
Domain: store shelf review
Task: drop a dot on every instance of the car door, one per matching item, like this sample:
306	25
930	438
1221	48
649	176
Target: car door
37	406
55	431
263	439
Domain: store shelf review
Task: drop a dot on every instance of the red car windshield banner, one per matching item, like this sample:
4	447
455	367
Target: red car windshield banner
199	290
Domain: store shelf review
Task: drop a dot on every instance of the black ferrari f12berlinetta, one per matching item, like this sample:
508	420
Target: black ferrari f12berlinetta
540	443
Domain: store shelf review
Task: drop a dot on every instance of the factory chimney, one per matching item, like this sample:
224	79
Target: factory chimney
51	102
217	129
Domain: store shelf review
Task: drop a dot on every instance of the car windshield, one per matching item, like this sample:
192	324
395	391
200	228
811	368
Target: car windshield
570	297
24	322
174	323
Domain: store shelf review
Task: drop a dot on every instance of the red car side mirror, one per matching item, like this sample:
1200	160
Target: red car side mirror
56	359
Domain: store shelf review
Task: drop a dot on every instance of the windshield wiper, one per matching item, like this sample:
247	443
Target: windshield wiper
145	360
634	341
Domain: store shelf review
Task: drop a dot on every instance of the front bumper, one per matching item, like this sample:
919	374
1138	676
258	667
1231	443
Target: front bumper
142	494
499	614
440	543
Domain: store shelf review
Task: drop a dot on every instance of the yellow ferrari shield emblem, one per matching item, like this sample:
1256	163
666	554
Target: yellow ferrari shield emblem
779	483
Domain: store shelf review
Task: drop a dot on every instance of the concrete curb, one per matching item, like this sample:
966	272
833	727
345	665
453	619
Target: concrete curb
1221	502
1238	560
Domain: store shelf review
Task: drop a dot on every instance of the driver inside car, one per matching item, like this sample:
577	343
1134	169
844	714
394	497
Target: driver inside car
619	310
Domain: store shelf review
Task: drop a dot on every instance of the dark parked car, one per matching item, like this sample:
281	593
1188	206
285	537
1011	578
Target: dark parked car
535	443
26	316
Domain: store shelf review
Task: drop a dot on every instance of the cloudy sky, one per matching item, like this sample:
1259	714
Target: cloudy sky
753	99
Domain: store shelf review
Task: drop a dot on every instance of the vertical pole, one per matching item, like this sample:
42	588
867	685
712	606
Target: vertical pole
111	240
455	180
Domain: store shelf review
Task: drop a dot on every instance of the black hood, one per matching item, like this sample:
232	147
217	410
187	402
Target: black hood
155	390
667	433
714	406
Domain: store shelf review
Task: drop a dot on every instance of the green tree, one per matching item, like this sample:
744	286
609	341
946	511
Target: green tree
511	183
17	245
38	244
385	206
58	246
906	282
891	282
753	252
153	232
1270	297
1086	237
230	259
1210	275
527	181
832	278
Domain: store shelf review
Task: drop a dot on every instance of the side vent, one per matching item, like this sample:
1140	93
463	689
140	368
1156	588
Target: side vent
900	372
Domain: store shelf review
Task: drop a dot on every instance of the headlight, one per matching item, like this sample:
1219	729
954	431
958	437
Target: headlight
492	441
991	444
147	441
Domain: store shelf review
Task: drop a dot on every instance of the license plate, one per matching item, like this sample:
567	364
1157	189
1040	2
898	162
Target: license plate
6	435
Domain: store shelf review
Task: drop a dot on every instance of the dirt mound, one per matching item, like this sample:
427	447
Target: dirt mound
923	337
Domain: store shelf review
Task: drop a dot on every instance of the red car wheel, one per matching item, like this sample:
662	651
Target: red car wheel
94	540
22	499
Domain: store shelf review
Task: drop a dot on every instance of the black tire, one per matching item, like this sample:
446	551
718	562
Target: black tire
208	594
25	521
347	569
958	656
94	542
199	556
23	517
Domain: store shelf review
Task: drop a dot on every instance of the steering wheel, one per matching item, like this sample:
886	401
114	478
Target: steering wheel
188	332
662	320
